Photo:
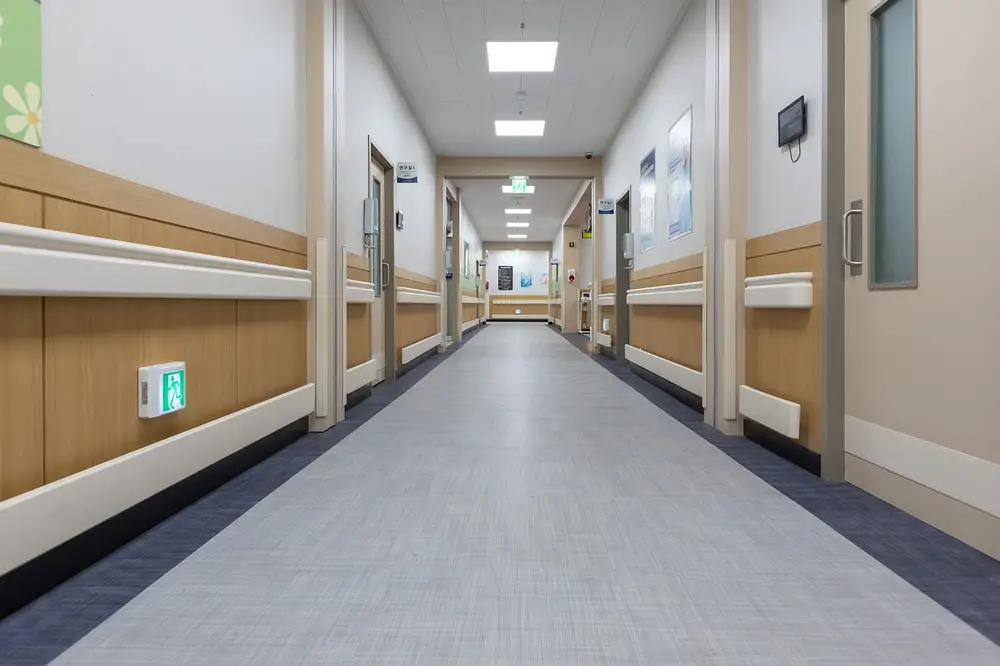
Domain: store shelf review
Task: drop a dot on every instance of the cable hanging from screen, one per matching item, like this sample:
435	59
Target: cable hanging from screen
791	150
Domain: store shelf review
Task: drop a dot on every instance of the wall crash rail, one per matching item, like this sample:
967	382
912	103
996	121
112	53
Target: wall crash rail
43	262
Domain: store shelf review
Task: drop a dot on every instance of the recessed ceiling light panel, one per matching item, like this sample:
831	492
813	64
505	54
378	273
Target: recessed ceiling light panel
520	127
522	56
517	236
522	225
517	211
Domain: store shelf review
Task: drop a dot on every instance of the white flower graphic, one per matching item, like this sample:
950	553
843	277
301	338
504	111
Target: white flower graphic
1	25
28	118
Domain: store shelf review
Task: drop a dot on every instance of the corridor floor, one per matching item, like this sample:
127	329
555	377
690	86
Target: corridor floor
520	505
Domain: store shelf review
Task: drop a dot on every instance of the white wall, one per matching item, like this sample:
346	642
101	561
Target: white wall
377	107
537	261
205	100
785	61
677	82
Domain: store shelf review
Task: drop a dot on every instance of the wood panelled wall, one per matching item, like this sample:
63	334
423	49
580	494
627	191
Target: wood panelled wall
359	315
783	346
71	362
472	311
672	332
415	321
539	309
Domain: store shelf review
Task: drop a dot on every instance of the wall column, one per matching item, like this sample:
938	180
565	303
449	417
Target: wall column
325	135
727	43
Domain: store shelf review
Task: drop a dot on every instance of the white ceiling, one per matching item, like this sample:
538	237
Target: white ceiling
438	51
485	203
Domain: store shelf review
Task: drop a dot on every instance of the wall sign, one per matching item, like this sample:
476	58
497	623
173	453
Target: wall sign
406	172
679	178
162	389
647	202
518	185
605	206
505	278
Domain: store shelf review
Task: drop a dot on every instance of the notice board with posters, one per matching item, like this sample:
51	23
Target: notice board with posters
505	278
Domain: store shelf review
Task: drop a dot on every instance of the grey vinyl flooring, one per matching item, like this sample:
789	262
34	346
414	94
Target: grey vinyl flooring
521	505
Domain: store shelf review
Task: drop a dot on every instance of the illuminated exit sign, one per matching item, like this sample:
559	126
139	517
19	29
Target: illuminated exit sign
518	185
162	389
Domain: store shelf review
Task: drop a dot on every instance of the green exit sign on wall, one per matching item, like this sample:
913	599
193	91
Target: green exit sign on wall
162	389
518	185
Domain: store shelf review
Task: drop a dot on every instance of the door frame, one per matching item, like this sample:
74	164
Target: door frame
388	255
833	320
623	276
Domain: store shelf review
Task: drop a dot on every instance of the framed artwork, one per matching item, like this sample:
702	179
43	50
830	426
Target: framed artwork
21	71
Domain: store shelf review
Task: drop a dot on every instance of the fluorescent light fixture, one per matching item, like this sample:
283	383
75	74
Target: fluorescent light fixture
517	236
521	225
522	56
520	127
509	189
517	211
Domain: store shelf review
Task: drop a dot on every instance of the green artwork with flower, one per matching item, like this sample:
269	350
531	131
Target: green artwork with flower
21	70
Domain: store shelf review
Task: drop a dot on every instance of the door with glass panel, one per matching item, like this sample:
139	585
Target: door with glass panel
379	272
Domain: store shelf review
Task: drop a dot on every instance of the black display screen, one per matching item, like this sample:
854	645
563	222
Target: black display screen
792	121
505	278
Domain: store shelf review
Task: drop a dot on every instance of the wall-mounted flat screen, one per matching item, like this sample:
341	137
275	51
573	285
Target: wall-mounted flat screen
792	122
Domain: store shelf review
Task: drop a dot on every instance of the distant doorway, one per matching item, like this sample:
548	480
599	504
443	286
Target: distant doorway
623	273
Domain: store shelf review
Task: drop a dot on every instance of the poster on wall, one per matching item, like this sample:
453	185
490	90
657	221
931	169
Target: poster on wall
525	279
21	71
679	178
505	278
545	279
647	202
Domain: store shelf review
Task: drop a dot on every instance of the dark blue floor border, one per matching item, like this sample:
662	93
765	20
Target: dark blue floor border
952	573
47	627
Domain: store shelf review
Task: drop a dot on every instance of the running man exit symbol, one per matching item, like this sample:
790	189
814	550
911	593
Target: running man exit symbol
173	391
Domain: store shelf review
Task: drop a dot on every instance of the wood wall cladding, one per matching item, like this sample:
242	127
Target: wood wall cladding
74	360
271	340
22	454
411	280
21	357
92	350
608	285
470	312
783	346
25	168
669	331
359	334
414	322
541	308
358	268
672	332
20	207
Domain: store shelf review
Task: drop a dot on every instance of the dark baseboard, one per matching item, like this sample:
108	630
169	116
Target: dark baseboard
609	352
415	362
783	446
40	575
358	396
690	399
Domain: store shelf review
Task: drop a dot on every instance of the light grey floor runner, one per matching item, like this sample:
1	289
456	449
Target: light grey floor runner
520	505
